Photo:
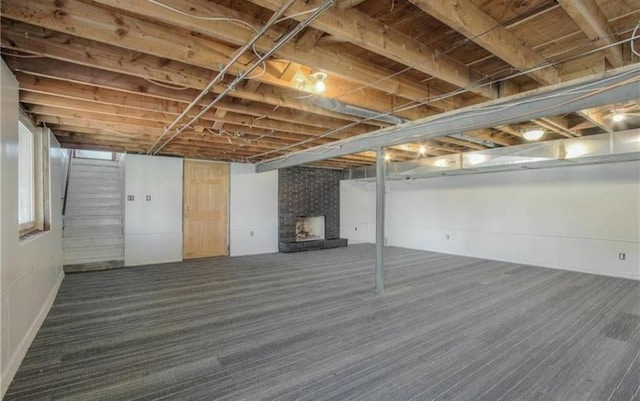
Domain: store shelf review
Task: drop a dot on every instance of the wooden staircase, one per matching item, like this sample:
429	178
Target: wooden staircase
93	221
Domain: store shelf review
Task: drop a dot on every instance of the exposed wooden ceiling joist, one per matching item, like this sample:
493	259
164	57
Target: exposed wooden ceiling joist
468	19
98	65
365	32
134	34
590	19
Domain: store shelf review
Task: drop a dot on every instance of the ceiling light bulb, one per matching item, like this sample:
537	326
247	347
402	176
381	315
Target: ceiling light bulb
617	117
387	156
533	134
422	150
319	77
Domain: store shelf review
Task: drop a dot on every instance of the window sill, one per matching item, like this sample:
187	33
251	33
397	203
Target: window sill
31	236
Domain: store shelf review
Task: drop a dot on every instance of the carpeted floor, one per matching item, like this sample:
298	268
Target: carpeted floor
308	326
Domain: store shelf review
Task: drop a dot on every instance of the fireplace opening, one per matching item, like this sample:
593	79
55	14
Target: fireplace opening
309	228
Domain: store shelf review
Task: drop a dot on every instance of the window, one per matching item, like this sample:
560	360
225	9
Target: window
26	179
33	180
94	154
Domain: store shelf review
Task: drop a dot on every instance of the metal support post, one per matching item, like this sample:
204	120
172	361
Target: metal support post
380	198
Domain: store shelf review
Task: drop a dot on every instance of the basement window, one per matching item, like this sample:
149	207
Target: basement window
33	182
95	154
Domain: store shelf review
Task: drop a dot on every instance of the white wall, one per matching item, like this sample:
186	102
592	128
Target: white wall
153	228
357	212
253	211
575	218
31	270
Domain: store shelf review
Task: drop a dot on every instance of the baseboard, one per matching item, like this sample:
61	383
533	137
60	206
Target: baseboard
255	252
18	356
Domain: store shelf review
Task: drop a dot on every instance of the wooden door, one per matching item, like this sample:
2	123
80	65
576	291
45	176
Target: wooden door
206	209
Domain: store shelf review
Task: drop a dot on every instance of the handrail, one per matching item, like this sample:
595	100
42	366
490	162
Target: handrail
66	184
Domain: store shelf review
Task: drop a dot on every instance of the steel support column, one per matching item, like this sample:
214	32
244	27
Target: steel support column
380	198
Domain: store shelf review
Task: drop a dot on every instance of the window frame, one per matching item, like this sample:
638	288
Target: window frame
40	173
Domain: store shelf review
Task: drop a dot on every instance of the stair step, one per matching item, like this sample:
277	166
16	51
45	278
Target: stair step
93	189
89	211
96	254
84	196
94	182
90	221
91	232
93	266
94	162
84	166
88	242
100	174
92	203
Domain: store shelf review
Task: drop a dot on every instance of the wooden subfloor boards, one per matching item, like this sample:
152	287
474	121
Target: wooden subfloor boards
308	326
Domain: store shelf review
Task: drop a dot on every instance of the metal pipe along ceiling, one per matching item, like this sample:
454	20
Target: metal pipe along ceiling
334	105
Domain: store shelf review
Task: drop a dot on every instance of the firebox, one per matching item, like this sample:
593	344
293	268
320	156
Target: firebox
309	228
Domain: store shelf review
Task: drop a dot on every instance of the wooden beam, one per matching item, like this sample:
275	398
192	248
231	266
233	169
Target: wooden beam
495	137
467	18
556	125
128	131
220	113
330	40
345	4
290	71
510	130
595	117
86	20
590	19
105	82
250	122
366	32
90	53
203	143
249	86
308	39
77	108
333	61
462	142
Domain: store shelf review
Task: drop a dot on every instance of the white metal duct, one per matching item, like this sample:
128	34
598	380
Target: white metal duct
593	149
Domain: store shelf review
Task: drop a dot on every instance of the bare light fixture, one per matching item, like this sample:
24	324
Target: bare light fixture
387	156
533	134
618	117
319	77
422	150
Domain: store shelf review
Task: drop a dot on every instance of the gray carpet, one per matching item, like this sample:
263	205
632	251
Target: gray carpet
307	326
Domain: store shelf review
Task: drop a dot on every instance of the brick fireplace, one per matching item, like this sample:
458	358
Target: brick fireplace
308	195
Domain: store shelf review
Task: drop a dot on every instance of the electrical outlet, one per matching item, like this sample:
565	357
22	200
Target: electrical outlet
356	228
252	233
622	256
447	236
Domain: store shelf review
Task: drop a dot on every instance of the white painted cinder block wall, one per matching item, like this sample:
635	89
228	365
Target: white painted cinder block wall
576	218
31	270
253	219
